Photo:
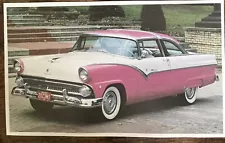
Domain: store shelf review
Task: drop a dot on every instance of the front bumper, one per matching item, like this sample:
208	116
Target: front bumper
216	78
63	99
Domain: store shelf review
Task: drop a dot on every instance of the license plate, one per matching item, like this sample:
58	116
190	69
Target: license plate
44	96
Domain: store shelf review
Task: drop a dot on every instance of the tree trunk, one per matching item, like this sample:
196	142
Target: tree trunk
152	18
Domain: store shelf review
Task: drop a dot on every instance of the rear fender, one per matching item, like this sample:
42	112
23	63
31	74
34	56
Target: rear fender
194	83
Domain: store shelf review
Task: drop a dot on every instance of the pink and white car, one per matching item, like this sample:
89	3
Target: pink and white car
113	68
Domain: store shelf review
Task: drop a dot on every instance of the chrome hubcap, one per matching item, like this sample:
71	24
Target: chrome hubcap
109	102
190	92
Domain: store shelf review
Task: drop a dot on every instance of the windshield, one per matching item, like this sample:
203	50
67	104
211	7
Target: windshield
117	46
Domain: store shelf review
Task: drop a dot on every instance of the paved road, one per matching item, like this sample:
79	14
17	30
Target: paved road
158	116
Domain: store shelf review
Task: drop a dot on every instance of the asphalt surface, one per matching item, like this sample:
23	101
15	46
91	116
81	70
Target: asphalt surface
161	116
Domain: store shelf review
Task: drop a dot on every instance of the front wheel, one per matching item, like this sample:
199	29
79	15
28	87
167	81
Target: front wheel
189	96
40	106
111	103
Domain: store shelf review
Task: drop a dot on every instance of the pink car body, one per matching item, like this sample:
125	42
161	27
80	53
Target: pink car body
140	87
154	65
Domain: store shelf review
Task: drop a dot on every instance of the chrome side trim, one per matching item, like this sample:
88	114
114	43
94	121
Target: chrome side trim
149	74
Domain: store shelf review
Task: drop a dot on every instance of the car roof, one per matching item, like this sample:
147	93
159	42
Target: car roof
130	34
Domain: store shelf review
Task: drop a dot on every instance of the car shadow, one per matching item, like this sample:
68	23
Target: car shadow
152	106
71	115
158	105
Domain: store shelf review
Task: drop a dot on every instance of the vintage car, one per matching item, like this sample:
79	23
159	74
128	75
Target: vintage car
113	68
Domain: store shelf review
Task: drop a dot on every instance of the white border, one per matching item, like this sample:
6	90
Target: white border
223	58
55	4
6	70
116	135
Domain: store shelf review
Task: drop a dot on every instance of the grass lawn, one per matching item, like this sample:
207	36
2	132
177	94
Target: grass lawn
177	16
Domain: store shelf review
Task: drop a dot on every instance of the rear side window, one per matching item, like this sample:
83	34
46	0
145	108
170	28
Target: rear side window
172	49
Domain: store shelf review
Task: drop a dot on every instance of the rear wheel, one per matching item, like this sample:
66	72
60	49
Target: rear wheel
111	103
189	96
40	106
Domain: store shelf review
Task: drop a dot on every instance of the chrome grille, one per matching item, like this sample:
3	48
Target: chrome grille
50	85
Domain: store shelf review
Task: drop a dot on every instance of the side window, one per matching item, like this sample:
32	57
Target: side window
172	49
150	48
150	44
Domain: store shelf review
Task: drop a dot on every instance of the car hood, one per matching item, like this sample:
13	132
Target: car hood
65	66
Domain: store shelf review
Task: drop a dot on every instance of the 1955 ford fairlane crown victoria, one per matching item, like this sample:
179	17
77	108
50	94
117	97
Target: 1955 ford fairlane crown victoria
112	68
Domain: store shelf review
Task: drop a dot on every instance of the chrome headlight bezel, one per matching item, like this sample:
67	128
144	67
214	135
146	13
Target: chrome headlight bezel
83	74
85	91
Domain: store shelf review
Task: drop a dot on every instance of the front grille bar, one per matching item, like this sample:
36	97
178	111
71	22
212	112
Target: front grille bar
52	86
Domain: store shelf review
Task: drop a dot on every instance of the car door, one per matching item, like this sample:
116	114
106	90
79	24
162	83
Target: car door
179	62
154	67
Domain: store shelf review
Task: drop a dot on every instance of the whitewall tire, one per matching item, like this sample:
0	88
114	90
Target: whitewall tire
111	103
189	96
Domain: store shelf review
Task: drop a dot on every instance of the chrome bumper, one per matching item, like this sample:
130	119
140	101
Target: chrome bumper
217	78
63	99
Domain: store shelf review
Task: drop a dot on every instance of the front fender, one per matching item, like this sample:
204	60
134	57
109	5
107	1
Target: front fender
100	87
103	76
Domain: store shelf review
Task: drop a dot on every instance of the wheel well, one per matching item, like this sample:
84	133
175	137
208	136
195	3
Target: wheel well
122	91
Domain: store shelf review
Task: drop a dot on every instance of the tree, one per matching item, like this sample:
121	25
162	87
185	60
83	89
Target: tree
152	18
99	12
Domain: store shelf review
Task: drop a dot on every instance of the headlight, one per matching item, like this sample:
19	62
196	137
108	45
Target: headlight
85	91
18	66
83	74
